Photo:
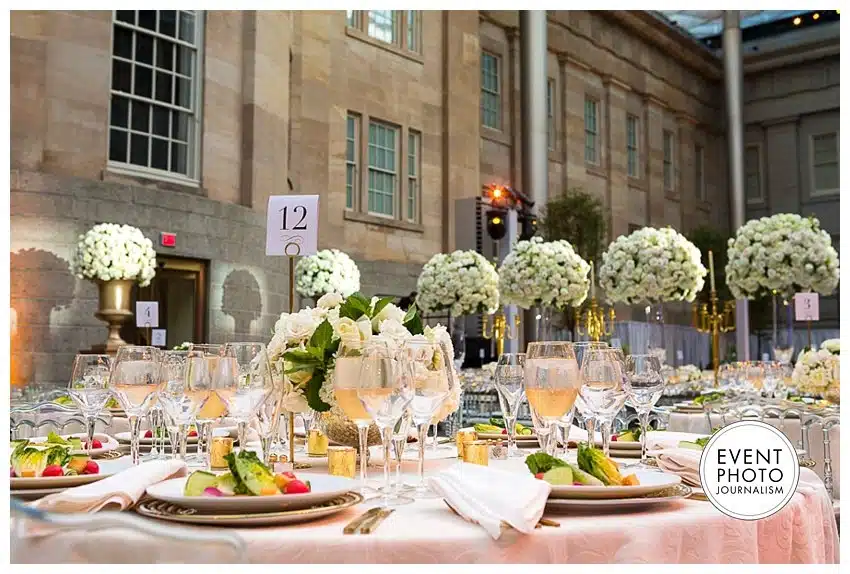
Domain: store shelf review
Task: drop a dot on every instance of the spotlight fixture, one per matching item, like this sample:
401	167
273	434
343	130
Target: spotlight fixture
797	21
815	16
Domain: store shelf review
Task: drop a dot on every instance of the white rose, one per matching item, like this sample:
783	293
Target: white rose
295	402
349	333
393	330
390	312
297	327
329	300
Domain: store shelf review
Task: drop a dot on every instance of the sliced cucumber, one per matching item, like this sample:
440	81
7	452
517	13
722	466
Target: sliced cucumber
198	481
585	478
559	476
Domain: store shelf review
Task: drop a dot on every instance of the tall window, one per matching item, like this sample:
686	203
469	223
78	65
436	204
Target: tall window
401	28
632	156
591	130
550	113
824	161
699	175
669	164
382	25
383	168
153	119
752	174
491	97
352	155
412	25
413	139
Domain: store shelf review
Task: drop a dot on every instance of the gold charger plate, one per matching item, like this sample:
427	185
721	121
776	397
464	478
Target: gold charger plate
162	510
671	494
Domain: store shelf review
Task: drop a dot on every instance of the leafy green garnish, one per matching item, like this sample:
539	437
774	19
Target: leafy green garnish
542	462
708	398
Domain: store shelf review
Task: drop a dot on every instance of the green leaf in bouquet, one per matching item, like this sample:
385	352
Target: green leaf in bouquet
380	304
355	307
322	336
413	322
298	356
313	387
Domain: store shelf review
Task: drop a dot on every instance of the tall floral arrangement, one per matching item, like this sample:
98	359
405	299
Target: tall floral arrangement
818	371
651	265
544	273
109	251
784	253
328	271
462	282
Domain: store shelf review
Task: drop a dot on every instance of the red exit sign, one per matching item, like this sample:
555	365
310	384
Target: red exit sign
167	239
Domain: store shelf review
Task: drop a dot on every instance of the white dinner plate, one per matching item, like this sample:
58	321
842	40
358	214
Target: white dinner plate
621	445
124	437
679	492
650	481
324	488
109	443
107	468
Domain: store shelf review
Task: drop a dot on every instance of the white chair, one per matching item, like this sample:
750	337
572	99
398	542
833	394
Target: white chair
43	417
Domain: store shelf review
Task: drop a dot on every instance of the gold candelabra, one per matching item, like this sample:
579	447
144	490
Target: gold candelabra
498	329
715	322
596	321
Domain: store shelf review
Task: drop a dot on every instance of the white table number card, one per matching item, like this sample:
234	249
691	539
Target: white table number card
147	314
292	225
807	307
158	337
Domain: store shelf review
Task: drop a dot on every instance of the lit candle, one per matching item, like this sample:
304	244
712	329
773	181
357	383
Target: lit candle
592	281
711	268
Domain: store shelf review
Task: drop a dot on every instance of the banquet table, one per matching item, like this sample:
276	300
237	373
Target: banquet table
698	423
426	531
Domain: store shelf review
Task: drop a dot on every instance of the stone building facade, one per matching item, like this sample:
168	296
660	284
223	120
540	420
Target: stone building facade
187	122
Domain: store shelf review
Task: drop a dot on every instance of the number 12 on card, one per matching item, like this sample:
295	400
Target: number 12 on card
292	225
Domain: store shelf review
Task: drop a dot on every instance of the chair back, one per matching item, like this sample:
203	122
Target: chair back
40	418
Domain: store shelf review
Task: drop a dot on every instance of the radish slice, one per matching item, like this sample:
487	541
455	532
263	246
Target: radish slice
212	491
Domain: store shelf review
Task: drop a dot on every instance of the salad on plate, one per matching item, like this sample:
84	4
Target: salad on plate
247	476
593	469
49	459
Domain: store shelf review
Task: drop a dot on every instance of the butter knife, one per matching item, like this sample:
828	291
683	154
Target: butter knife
375	521
354	525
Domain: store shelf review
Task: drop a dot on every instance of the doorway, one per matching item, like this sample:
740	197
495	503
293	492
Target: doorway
180	288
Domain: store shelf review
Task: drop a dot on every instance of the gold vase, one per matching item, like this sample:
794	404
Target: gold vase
342	430
114	310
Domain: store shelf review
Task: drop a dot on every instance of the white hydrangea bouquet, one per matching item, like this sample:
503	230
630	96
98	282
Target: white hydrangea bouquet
305	345
818	371
651	265
543	273
109	251
784	254
462	282
328	271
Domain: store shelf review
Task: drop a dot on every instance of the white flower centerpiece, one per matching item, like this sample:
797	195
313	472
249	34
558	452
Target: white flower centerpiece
328	271
818	371
114	256
462	283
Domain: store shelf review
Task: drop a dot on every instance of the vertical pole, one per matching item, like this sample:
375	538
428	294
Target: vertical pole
292	415
733	78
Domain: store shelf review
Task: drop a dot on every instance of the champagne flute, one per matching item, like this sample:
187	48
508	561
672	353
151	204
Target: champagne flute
603	389
428	365
510	371
205	374
552	383
589	423
178	400
385	393
134	380
246	384
644	384
89	388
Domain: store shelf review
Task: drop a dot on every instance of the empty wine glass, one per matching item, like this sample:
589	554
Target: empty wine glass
206	375
400	434
579	347
644	384
552	383
385	393
246	384
89	388
268	421
603	387
178	400
134	380
509	375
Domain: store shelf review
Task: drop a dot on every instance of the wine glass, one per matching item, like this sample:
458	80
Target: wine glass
510	371
579	347
245	384
644	384
400	434
552	383
268	421
603	389
134	380
772	371
385	393
89	388
433	380
206	374
178	400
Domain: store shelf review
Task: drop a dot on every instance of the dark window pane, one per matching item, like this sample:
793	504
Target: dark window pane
143	81
144	49
180	126
183	93
160	121
168	22
147	19
123	43
184	60
179	157
141	111
187	27
159	153
118	146
128	16
164	54
139	150
121	76
120	111
163	87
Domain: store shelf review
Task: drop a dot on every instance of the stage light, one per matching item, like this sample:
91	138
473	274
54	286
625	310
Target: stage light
797	21
815	16
496	227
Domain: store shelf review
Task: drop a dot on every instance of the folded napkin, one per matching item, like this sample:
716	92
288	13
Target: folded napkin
578	434
119	491
681	461
658	440
478	494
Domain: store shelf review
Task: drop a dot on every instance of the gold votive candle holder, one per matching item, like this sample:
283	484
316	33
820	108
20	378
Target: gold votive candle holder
317	443
342	460
220	447
462	437
477	452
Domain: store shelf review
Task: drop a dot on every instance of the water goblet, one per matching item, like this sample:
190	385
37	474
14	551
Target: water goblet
178	399
134	381
552	383
509	375
206	374
89	388
579	347
245	383
644	384
603	389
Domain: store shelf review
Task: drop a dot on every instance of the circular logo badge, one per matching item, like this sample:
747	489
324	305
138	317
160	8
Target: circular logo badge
749	470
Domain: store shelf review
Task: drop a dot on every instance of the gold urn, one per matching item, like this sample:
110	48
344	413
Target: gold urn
114	309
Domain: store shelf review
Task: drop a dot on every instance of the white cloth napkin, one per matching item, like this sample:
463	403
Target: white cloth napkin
578	434
489	497
119	491
658	440
681	461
